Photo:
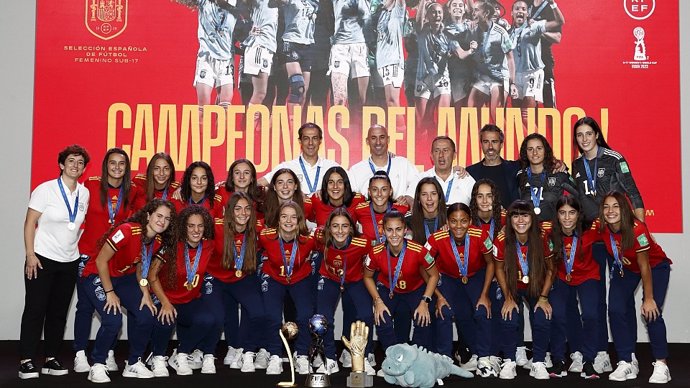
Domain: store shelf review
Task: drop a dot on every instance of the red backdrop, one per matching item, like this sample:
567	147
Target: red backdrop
129	84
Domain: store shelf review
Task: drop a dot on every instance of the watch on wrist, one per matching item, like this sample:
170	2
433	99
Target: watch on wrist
426	298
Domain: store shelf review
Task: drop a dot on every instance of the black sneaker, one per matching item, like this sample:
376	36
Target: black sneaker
588	371
558	369
27	370
54	368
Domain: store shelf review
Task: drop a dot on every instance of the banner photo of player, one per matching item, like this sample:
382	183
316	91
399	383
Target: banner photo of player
221	80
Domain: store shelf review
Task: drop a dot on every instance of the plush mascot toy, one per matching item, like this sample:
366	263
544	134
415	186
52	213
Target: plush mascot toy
412	366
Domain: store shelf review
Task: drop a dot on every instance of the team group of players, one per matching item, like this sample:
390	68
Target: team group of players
459	52
396	247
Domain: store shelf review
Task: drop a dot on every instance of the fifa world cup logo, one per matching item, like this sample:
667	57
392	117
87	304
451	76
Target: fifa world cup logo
640	48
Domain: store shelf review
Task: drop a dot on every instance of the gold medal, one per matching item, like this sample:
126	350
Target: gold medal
621	272
464	280
143	282
390	295
342	288
238	273
625	261
287	278
525	279
188	286
568	278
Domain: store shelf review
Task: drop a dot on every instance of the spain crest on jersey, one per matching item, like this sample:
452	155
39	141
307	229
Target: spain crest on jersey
639	9
106	19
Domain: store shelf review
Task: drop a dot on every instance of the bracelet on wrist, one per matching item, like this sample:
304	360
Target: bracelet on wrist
110	290
554	5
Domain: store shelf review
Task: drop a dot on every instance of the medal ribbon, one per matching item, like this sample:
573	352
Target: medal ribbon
379	238
146	254
112	212
165	194
240	259
288	266
616	255
312	188
592	178
462	264
373	168
342	276
524	264
571	260
450	185
72	214
539	10
536	199
427	233
492	228
394	280
188	266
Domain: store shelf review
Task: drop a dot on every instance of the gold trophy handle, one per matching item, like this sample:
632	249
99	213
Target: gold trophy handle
290	383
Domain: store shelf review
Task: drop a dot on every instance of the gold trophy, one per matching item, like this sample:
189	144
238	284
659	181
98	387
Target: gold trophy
288	330
359	333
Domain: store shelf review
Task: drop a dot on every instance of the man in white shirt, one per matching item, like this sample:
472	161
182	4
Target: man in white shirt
457	186
308	166
402	173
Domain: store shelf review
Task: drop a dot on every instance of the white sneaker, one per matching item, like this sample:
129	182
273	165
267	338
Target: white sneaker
230	356
368	368
470	365
346	359
81	362
261	359
98	373
247	362
235	362
380	373
110	362
602	362
508	371
159	367
521	356
661	374
547	361
196	359
538	371
208	364
485	368
372	359
302	365
624	371
275	365
576	364
330	367
180	363
137	370
635	364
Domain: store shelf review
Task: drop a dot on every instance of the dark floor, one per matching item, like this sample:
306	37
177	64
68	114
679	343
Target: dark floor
679	363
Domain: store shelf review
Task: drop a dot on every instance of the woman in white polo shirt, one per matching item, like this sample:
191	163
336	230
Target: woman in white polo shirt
51	232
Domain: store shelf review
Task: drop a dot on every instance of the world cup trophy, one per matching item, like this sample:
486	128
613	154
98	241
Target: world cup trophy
359	335
288	331
318	327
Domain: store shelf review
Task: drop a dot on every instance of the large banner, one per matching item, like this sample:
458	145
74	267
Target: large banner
121	73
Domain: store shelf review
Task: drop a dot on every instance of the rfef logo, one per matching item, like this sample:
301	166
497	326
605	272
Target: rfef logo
106	19
639	9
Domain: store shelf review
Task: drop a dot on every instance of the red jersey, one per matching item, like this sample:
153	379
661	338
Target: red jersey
277	266
140	181
97	221
322	211
409	279
584	266
215	266
217	211
643	242
440	247
499	253
370	227
486	226
179	294
125	240
349	259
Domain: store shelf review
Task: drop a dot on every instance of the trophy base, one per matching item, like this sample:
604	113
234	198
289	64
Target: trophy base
360	380
317	380
286	384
